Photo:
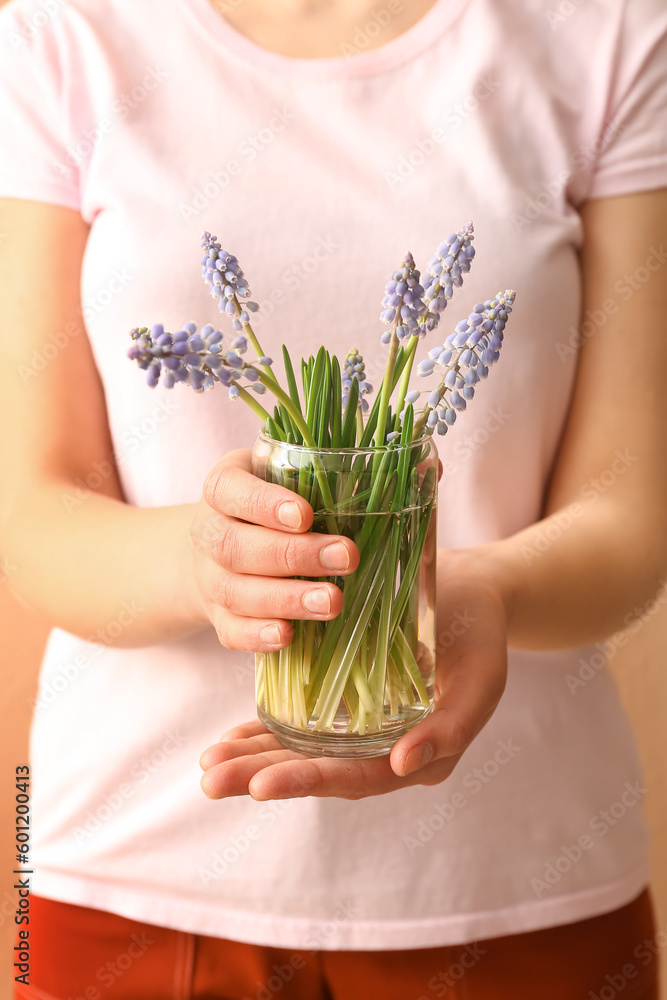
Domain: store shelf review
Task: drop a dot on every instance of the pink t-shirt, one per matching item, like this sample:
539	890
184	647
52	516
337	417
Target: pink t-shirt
158	121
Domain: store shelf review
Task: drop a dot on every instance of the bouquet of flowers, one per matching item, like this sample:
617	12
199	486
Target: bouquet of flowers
352	685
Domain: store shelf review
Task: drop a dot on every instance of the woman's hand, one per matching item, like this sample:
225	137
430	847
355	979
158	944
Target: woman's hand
471	666
249	537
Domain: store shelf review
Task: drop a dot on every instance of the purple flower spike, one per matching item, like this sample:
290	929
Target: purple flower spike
473	337
403	300
353	368
222	271
195	359
445	271
464	359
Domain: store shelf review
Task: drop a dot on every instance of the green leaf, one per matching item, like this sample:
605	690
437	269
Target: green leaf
410	572
350	417
275	431
404	458
323	408
291	379
336	404
305	380
288	423
371	423
315	389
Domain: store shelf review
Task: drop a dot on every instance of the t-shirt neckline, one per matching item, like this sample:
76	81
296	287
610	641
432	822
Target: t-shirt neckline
420	36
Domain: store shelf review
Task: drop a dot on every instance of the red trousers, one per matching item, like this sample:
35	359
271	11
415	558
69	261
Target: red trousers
84	954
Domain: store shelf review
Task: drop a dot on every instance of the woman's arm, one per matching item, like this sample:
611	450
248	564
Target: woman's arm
602	547
88	561
81	564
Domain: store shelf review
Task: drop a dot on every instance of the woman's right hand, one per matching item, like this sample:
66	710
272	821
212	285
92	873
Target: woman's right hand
249	537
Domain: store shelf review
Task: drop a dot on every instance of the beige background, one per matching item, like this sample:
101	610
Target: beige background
639	669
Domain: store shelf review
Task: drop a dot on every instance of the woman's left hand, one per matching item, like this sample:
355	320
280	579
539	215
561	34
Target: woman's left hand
471	668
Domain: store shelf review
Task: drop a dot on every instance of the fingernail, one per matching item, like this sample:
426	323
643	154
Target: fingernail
317	601
289	514
335	556
270	634
417	757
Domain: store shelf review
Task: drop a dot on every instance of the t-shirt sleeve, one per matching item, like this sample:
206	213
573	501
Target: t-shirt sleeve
633	146
34	159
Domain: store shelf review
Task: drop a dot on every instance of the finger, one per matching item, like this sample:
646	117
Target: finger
270	597
232	778
254	635
252	728
231	489
248	548
469	682
324	777
221	752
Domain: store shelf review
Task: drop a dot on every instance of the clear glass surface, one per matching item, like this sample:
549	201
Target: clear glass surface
352	686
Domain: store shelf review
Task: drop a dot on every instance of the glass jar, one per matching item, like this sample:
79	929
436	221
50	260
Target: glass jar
350	687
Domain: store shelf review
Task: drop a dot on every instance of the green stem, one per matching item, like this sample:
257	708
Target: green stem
402	646
252	337
387	388
421	422
254	405
360	423
410	352
294	413
308	440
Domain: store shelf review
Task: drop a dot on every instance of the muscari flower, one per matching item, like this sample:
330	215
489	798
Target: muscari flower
464	359
445	272
195	359
403	302
353	368
222	271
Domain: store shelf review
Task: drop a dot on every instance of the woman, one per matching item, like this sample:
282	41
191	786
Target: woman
321	140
